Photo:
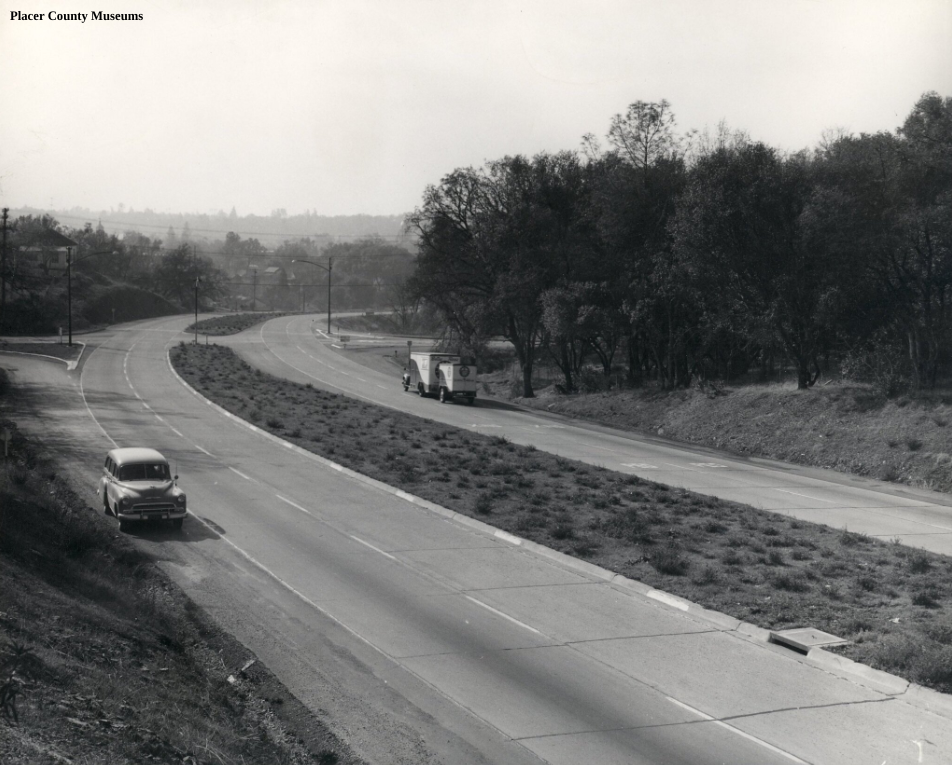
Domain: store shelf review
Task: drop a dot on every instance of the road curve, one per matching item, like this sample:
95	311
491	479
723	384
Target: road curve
444	642
293	347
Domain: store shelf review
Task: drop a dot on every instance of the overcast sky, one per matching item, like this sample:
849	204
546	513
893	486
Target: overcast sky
354	106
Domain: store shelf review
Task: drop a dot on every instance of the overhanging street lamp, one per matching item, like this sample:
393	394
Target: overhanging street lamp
329	267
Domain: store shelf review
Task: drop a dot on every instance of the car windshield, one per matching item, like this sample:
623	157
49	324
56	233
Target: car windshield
144	471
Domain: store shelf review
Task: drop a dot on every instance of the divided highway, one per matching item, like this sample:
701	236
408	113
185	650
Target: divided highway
425	640
293	347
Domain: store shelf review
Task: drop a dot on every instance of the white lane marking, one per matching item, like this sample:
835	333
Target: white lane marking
382	387
375	549
805	496
641	465
238	472
204	450
682	467
708	465
176	432
292	589
295	505
504	616
738	731
82	392
160	418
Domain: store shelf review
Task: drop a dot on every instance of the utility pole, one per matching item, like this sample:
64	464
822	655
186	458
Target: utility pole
3	269
330	266
198	280
69	293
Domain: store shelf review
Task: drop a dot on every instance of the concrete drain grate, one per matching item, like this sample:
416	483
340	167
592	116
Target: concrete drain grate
805	638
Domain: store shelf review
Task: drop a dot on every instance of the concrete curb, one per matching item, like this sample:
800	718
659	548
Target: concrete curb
70	365
878	680
872	678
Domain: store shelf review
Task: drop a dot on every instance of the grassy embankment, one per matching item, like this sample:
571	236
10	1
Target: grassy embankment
893	602
844	426
231	323
104	660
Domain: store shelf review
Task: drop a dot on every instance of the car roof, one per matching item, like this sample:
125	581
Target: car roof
135	454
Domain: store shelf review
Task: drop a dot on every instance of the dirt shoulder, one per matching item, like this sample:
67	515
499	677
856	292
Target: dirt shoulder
104	659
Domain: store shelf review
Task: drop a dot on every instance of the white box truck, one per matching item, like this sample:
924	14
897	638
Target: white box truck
445	375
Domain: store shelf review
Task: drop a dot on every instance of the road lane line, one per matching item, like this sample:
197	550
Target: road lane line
738	731
375	549
295	505
238	472
805	496
504	616
82	392
203	450
176	432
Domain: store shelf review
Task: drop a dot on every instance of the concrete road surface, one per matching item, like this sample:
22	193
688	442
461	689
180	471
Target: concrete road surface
425	640
295	348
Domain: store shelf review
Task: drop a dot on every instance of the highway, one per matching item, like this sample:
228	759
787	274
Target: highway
291	347
425	640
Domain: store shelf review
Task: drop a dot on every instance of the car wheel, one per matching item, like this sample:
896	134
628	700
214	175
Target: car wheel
105	504
123	526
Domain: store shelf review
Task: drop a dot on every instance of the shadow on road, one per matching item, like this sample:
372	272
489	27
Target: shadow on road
192	530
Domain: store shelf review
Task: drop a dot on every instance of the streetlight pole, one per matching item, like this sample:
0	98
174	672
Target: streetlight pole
198	280
69	293
329	268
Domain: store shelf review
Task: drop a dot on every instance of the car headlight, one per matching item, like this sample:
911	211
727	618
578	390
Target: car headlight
180	499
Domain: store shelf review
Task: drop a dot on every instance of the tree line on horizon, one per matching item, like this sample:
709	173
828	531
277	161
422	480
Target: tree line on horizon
694	258
134	275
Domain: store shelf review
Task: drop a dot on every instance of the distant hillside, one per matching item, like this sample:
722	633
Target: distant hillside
270	230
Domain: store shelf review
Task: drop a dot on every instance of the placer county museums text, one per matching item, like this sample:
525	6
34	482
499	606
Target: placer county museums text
81	17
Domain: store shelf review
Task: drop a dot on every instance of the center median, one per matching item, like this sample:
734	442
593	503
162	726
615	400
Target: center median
890	601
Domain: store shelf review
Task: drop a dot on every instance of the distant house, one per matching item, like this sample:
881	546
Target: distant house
274	276
45	250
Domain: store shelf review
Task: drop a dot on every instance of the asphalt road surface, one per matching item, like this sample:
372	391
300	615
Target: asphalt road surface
424	640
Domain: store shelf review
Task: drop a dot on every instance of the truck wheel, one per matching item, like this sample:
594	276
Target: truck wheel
471	400
443	397
406	388
420	390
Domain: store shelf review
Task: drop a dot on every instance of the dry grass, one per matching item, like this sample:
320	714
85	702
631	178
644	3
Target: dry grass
232	323
842	426
893	602
104	660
